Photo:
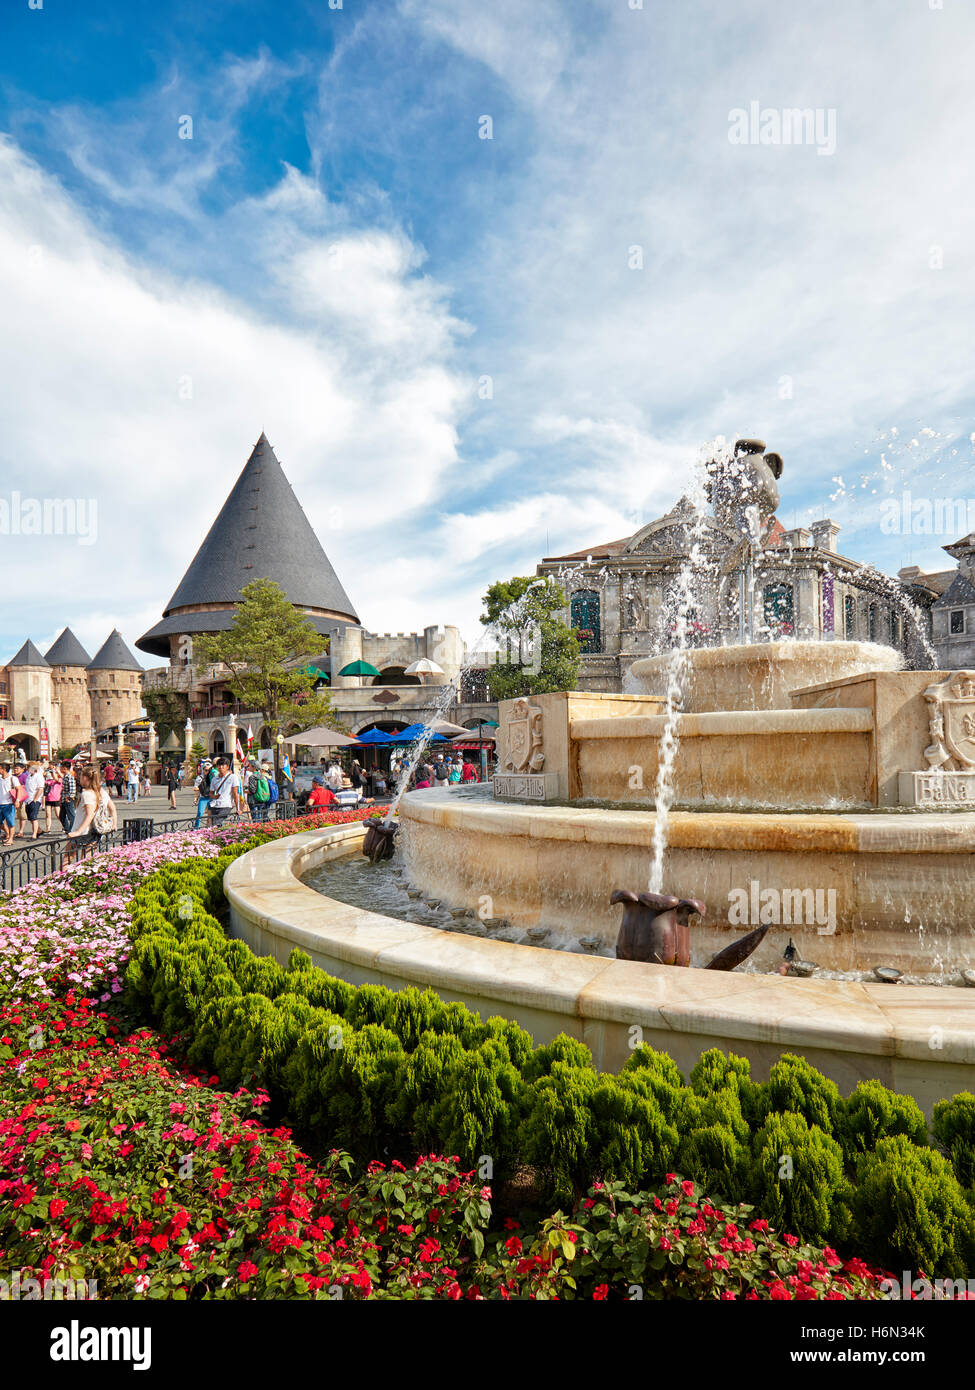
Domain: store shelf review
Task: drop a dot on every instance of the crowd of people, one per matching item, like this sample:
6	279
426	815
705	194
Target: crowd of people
78	799
82	798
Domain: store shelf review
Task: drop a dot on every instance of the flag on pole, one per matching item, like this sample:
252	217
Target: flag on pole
250	737
286	767
240	751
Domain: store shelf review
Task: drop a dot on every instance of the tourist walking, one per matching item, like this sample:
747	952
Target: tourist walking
97	816
144	777
69	795
468	772
223	789
8	809
131	782
202	788
334	778
35	798
172	784
52	797
455	771
109	777
440	770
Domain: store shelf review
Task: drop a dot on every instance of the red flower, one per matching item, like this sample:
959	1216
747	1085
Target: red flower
513	1246
687	1188
778	1291
246	1270
791	1240
600	1291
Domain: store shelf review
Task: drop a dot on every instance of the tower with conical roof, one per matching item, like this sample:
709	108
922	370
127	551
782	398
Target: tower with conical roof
68	659
261	532
31	692
114	684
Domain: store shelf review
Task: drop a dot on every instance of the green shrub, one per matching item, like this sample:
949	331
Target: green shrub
795	1086
872	1113
368	1067
911	1212
954	1129
797	1178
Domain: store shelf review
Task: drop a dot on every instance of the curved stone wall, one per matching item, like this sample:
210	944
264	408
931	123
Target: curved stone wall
921	1040
900	882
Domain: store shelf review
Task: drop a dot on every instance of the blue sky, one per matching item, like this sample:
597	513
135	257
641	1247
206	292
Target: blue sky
470	352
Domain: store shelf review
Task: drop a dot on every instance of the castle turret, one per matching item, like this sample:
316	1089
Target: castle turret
68	661
114	684
31	691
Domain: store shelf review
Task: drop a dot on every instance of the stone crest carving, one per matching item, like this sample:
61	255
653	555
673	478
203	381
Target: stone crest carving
951	723
523	739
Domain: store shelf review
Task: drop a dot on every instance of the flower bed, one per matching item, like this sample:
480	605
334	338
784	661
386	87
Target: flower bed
71	929
119	1166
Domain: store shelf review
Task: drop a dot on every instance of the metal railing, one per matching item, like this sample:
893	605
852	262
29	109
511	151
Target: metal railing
20	866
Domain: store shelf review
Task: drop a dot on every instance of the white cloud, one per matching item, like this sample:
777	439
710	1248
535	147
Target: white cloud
97	349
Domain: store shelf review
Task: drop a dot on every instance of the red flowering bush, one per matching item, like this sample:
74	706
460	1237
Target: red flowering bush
118	1165
675	1244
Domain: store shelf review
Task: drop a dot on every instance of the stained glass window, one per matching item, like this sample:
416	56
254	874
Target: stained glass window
584	617
849	618
779	609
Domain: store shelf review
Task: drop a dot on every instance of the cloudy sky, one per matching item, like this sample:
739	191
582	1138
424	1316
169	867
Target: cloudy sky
469	352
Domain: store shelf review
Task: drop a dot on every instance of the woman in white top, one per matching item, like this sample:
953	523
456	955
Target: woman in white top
95	804
7	807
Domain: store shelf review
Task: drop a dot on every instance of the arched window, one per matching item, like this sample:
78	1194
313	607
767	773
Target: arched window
872	622
849	618
779	609
584	617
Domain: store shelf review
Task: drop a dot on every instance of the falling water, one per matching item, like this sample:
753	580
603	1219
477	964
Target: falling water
419	747
677	666
908	608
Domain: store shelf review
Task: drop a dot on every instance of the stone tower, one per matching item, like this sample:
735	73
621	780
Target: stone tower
31	696
114	684
68	661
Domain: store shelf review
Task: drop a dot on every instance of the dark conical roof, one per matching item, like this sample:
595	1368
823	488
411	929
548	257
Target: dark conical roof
27	656
113	655
260	533
67	651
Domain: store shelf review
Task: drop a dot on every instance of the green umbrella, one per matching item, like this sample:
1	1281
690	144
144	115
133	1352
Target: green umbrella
359	668
315	671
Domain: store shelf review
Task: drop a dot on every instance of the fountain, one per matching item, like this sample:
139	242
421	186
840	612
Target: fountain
811	793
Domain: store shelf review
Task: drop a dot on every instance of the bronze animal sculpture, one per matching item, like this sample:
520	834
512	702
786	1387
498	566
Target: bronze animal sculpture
378	840
656	929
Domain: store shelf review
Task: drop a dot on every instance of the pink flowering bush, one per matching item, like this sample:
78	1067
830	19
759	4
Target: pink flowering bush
70	930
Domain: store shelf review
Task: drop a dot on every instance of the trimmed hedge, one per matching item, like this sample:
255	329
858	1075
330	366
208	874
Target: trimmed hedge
371	1069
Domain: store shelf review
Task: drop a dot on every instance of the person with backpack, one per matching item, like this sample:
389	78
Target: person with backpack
69	795
223	791
97	811
258	794
52	797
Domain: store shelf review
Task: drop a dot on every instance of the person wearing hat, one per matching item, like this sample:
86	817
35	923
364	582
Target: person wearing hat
320	794
223	790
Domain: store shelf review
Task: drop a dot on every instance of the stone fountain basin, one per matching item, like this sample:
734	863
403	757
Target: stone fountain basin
850	1031
759	676
556	866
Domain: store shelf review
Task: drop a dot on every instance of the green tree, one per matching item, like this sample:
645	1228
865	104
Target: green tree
268	634
541	651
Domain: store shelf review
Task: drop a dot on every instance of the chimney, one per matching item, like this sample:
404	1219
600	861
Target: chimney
824	535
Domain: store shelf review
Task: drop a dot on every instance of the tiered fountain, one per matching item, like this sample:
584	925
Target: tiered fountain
812	789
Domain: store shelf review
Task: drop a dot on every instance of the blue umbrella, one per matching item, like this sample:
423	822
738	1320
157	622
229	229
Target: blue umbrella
377	736
415	731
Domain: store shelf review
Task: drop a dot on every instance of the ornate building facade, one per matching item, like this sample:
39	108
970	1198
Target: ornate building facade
625	598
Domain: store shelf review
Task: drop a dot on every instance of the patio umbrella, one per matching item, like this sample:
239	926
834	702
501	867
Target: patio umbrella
376	736
444	726
415	731
360	668
320	738
424	667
